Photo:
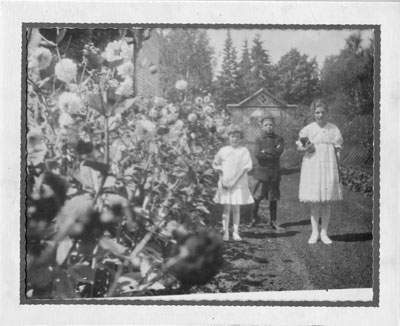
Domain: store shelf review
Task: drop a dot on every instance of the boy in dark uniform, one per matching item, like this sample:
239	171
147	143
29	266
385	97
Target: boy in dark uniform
267	150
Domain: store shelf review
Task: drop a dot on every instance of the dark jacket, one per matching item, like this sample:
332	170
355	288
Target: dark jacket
267	150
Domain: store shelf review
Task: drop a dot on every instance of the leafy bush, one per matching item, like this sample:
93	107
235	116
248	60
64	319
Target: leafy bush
357	180
118	187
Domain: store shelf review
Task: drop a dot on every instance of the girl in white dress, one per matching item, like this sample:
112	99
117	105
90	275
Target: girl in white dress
233	162
321	143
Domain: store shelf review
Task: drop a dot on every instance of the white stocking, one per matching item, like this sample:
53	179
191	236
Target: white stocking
326	214
225	218
315	215
236	218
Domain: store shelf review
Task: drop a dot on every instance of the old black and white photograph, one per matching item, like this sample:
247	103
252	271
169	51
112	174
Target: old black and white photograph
183	163
188	160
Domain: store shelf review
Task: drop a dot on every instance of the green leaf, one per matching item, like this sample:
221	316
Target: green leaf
39	277
60	35
128	282
64	287
124	105
115	64
82	273
63	250
101	167
112	246
95	102
34	39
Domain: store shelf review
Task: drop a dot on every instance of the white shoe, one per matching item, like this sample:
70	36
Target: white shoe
236	236
313	239
226	236
325	239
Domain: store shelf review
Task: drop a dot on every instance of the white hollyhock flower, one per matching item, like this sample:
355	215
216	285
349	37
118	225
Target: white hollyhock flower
192	117
125	88
66	70
126	50
208	109
172	108
117	50
181	85
126	69
164	112
40	58
178	125
69	103
159	102
112	51
145	130
65	120
153	113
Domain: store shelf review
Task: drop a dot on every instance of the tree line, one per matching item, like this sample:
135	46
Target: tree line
345	80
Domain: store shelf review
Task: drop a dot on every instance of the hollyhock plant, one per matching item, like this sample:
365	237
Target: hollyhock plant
192	117
66	70
152	156
118	50
40	58
181	85
126	87
198	100
145	130
69	103
126	69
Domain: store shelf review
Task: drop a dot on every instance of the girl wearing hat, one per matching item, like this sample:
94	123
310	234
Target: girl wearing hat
321	143
232	163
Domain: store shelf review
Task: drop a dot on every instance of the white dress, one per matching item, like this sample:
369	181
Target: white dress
319	178
233	161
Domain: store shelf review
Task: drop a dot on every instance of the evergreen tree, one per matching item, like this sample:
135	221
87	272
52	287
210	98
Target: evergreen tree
186	54
298	81
261	67
347	79
244	73
227	82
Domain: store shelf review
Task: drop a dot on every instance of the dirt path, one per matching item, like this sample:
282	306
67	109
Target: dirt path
270	261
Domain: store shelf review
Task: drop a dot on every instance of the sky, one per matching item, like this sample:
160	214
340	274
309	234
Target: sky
318	43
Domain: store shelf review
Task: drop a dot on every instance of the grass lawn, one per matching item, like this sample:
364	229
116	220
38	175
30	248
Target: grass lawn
266	260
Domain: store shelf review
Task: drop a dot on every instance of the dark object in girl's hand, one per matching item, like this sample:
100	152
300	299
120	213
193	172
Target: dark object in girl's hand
304	141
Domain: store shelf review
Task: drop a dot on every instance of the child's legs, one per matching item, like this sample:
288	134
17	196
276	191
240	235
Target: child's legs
225	217
315	215
325	216
258	195
274	195
236	217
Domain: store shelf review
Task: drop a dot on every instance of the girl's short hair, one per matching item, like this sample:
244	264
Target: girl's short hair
235	128
318	103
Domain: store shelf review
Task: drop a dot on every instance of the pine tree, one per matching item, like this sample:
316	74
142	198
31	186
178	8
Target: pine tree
261	66
227	82
244	73
347	79
186	54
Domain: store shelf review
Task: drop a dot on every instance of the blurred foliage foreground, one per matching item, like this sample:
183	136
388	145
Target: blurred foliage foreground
119	188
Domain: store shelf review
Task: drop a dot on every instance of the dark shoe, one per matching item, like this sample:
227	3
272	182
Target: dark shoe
276	227
253	223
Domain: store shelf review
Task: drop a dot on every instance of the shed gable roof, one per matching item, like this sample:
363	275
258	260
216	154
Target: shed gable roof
261	98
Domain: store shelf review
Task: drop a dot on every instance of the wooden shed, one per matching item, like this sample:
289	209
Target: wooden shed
248	112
